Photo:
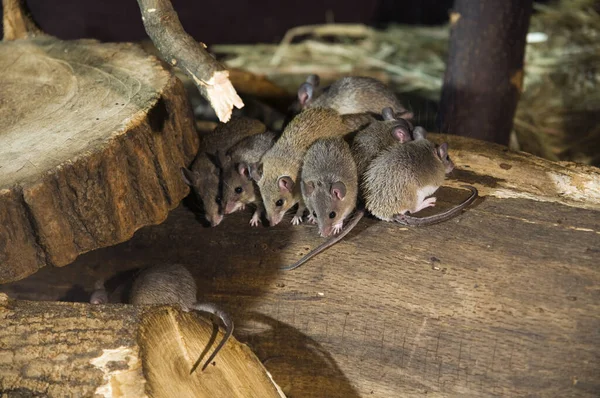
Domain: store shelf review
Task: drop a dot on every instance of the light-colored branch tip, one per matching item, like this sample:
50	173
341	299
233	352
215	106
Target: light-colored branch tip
221	95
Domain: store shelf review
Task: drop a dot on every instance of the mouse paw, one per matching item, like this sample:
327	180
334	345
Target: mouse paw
337	229
429	202
312	219
297	220
255	220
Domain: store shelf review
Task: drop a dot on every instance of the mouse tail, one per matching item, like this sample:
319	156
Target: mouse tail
437	218
328	243
214	310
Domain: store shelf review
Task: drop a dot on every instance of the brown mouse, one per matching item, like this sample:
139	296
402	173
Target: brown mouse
351	94
329	184
204	175
396	182
400	179
238	187
169	284
278	172
377	136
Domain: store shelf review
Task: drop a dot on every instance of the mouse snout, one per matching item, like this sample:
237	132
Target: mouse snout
215	220
326	231
232	207
274	219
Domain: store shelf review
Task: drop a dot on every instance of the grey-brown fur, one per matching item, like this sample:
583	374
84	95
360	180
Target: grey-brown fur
281	164
328	163
169	284
373	139
203	176
400	177
236	177
352	94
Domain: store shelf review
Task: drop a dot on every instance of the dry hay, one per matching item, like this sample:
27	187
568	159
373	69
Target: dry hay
557	117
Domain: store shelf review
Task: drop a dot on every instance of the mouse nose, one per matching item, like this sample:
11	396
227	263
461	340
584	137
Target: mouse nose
326	231
274	219
216	220
230	207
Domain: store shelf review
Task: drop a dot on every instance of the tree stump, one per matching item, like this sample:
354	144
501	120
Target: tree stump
92	137
500	301
66	349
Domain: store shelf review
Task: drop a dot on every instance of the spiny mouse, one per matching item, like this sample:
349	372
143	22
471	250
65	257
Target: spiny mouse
170	284
351	94
278	172
329	184
238	187
204	174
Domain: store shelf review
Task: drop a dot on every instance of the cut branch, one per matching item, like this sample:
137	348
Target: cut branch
17	21
180	49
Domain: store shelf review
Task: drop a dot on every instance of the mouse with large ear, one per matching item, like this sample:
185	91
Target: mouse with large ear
329	184
379	135
239	189
170	284
204	175
351	94
278	172
400	180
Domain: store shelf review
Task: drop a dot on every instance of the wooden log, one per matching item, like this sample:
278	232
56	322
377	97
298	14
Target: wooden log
69	349
500	301
92	137
484	72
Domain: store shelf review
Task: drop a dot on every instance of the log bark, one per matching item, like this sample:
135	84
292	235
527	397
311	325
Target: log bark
484	72
500	301
92	137
178	48
66	349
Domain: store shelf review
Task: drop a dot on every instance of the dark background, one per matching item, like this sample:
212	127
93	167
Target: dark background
227	21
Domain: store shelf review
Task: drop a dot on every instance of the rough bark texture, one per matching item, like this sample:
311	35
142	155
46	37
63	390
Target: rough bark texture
501	301
180	49
92	137
484	72
69	349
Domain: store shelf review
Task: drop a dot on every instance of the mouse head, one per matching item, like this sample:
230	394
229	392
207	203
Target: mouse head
204	181
441	151
238	187
279	192
331	204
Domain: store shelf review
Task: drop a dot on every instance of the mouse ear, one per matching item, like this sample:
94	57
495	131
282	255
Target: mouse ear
256	171
309	187
338	190
442	151
419	133
188	176
388	114
285	183
401	133
313	79
305	93
243	169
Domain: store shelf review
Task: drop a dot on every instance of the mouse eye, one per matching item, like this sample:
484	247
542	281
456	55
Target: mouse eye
314	214
218	200
238	190
332	214
279	203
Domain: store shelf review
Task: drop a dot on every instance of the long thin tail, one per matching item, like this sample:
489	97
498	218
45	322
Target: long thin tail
213	309
328	243
437	218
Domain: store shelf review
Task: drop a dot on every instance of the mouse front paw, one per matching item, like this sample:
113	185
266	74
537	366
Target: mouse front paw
312	219
297	220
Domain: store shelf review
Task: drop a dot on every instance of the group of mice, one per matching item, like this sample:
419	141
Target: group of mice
349	146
